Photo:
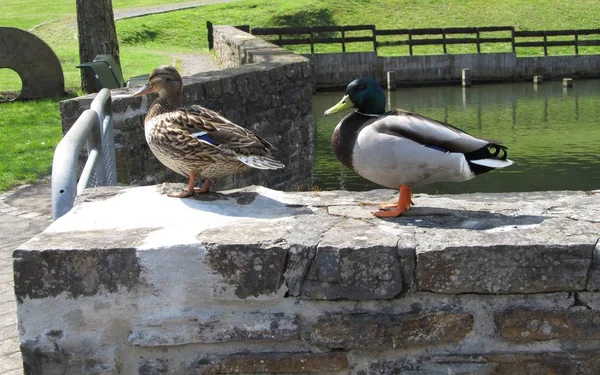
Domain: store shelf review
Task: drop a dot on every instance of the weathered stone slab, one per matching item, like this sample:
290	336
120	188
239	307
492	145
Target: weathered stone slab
254	271
539	325
215	329
280	363
565	362
152	366
390	331
52	353
594	275
355	260
504	269
257	259
63	269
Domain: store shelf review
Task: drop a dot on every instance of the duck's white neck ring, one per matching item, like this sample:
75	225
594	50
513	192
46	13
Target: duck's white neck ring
368	114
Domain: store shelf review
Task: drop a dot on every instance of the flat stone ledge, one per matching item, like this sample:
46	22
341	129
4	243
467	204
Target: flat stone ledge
261	244
563	362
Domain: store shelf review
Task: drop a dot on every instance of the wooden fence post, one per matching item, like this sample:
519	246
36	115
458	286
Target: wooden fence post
374	38
209	26
444	41
512	36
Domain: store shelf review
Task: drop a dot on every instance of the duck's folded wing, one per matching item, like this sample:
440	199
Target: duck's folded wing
428	132
209	126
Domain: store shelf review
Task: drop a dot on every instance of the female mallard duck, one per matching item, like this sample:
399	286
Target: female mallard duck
403	150
194	141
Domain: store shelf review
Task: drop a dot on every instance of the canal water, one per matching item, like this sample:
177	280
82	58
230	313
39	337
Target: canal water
552	134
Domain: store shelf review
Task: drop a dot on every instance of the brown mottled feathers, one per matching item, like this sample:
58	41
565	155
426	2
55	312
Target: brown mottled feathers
197	139
224	132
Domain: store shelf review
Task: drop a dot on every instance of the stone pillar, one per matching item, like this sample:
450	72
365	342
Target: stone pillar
466	77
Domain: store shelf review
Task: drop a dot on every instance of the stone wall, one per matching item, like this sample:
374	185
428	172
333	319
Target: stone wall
269	93
336	70
261	281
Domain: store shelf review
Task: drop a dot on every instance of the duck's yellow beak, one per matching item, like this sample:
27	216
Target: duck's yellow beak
343	104
146	89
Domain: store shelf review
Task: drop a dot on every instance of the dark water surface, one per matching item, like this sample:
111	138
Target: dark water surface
552	134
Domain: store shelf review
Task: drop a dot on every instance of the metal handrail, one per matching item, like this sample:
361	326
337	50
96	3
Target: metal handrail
95	127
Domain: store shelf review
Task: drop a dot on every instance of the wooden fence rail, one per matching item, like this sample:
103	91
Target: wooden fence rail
311	35
344	35
444	40
545	43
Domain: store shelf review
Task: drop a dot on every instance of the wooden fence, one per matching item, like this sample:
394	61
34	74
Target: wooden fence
444	37
576	42
312	35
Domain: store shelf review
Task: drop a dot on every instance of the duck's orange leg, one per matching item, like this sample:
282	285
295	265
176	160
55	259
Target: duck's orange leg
190	189
404	202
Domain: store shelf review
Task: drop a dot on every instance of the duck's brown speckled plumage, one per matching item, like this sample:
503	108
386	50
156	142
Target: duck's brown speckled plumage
196	140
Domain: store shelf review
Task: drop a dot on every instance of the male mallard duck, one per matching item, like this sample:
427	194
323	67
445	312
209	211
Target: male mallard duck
403	150
197	142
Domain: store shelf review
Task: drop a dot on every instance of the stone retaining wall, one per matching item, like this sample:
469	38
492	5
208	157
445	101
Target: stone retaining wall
264	88
260	281
336	70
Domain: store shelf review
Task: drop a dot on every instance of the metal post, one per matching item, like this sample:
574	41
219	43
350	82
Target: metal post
94	127
64	163
102	105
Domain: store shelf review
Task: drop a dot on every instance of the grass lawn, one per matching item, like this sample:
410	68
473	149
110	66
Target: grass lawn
147	42
29	132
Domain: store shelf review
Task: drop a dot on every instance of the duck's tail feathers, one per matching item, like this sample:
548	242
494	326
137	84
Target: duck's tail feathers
488	158
493	163
260	162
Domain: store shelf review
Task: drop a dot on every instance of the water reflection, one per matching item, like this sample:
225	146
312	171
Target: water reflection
552	133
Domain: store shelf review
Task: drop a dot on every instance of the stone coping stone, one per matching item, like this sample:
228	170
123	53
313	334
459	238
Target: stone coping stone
262	244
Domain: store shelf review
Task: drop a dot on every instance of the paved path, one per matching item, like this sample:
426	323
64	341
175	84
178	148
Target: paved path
143	11
24	212
27	211
191	63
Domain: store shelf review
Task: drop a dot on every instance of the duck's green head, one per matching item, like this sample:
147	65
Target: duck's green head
364	94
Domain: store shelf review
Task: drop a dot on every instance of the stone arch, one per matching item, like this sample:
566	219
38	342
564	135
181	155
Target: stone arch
34	61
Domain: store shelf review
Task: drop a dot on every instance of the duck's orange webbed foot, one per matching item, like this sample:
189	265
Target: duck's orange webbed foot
403	205
191	190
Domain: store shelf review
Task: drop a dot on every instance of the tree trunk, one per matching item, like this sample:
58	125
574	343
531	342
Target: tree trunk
97	35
